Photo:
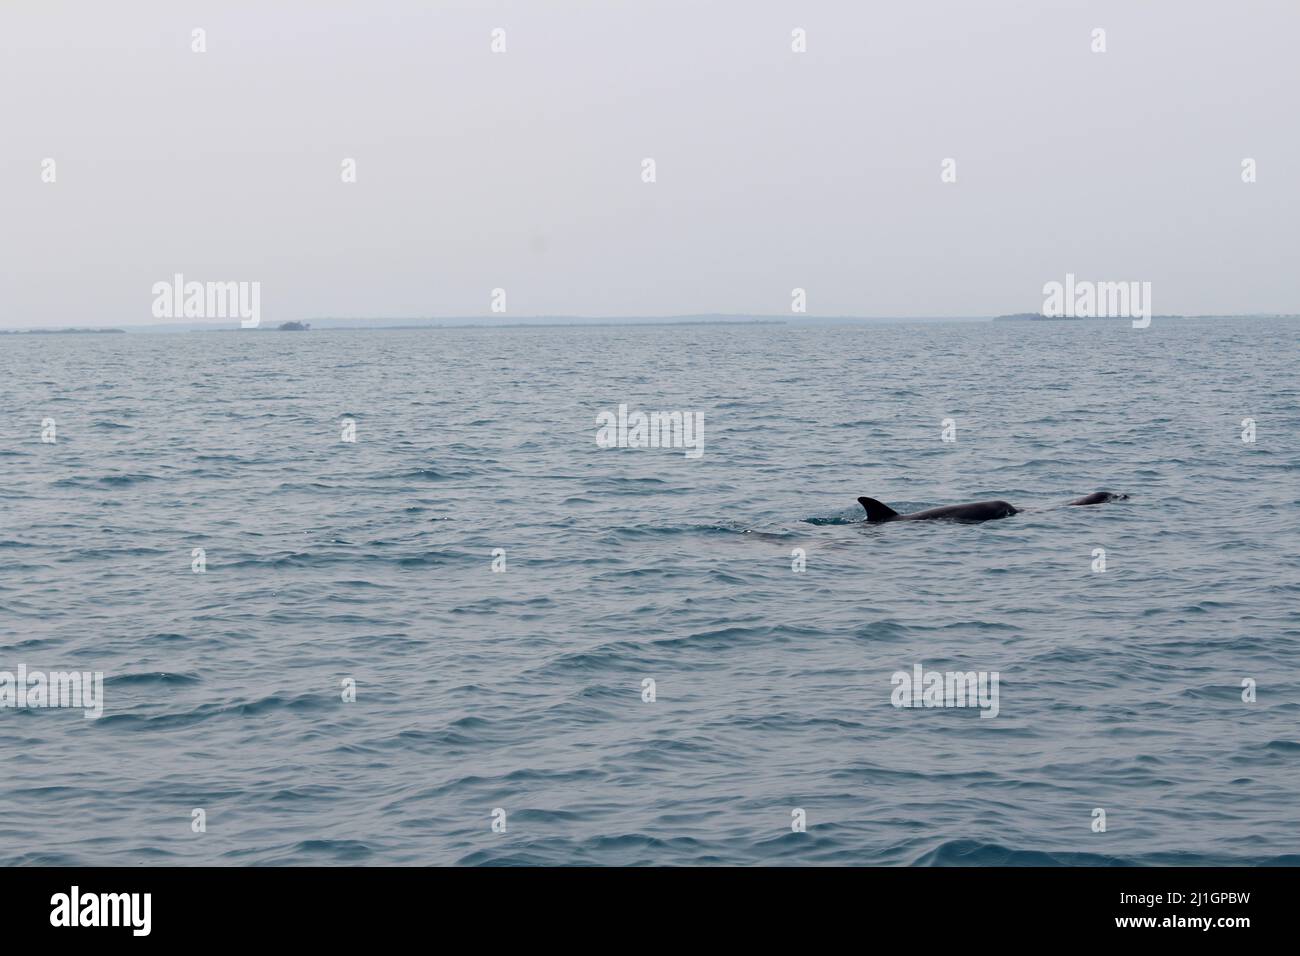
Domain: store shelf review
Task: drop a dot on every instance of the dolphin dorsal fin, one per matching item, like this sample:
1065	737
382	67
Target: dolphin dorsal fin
877	511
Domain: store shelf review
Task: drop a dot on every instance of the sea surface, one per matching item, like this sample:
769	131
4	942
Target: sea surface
522	690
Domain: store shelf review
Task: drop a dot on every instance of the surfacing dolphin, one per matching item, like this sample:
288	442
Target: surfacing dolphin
1097	498
878	512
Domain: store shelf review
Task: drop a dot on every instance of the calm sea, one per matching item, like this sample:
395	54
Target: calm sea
520	696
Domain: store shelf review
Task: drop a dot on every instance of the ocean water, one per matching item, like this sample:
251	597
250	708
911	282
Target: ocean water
372	561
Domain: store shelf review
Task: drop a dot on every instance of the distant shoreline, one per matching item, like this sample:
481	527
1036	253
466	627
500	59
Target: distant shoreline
62	331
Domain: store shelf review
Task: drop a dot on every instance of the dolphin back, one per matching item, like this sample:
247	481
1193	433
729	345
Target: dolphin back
1097	498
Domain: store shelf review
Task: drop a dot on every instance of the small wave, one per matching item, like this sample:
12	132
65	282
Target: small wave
976	853
674	530
1283	746
148	678
423	474
272	703
843	517
337	851
111	481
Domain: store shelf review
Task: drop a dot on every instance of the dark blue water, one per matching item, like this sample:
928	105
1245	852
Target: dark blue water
522	690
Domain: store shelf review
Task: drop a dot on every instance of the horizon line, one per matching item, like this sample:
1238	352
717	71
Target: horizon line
543	320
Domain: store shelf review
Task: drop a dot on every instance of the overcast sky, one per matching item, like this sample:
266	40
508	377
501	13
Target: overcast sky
523	170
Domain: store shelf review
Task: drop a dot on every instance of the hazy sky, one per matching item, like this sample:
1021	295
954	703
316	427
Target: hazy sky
522	170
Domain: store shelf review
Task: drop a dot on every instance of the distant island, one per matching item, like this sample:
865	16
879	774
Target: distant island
1039	317
541	322
62	331
294	327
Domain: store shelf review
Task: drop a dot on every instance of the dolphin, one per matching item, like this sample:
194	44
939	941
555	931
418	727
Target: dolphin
877	512
1097	498
975	511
